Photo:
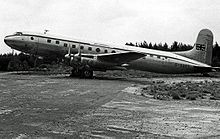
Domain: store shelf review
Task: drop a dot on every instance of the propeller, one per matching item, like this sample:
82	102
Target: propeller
74	57
78	55
69	55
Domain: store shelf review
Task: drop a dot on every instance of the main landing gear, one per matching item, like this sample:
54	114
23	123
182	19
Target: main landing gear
82	72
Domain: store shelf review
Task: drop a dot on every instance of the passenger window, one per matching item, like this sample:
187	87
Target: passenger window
97	50
73	46
113	51
57	42
81	47
32	38
49	41
158	56
151	55
90	48
106	51
65	44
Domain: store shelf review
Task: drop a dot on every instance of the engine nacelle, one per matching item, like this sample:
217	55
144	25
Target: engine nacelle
92	62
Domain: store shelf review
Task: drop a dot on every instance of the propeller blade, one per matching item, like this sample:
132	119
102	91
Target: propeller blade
68	55
78	55
69	50
74	57
79	51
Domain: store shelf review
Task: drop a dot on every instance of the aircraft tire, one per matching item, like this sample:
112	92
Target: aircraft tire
87	74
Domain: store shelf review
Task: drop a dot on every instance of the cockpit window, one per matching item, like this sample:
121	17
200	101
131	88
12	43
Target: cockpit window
18	33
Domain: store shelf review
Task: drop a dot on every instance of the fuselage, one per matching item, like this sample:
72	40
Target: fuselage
52	46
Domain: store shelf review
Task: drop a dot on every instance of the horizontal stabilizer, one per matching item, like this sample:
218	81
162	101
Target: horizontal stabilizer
216	68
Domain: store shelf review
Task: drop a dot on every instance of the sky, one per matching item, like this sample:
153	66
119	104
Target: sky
112	21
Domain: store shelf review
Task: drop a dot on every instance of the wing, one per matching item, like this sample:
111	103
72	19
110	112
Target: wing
119	58
116	58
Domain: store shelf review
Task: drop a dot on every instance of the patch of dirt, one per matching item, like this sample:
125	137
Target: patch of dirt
183	118
113	105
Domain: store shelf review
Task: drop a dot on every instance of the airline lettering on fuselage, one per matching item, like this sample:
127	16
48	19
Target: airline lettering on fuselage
200	47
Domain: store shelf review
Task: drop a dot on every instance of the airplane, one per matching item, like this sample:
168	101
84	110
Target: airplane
86	57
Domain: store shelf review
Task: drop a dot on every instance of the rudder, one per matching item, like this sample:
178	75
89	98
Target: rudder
202	50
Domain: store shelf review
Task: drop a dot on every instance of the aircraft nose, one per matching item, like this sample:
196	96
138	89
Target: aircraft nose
7	40
10	41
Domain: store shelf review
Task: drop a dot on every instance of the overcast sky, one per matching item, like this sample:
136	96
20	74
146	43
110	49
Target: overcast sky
112	21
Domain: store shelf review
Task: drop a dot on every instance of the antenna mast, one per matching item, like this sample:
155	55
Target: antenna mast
45	31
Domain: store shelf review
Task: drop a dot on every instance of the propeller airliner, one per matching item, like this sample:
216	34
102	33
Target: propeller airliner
86	57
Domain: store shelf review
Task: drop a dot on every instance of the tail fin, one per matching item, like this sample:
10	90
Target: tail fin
202	50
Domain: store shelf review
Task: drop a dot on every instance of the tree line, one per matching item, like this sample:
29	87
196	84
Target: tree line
178	46
164	47
22	62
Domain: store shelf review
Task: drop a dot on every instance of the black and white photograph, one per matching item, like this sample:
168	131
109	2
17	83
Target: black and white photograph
109	69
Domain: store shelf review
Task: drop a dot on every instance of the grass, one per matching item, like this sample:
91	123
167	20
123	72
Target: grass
185	90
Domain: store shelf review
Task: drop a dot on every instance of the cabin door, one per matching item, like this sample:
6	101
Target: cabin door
34	41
